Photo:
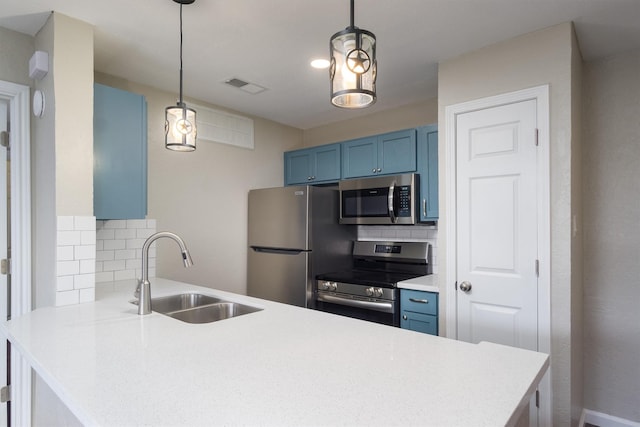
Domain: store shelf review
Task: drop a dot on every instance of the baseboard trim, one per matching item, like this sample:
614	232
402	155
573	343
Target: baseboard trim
604	420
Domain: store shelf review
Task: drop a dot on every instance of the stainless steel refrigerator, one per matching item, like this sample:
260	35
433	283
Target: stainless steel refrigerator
293	236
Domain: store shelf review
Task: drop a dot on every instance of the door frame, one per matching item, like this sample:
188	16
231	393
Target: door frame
541	95
20	137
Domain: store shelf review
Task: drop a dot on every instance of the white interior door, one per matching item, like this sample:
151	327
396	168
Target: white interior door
497	225
4	296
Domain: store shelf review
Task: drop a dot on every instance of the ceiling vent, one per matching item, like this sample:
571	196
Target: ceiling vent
245	86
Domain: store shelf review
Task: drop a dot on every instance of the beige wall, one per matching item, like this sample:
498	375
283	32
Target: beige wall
611	235
542	57
15	51
202	195
405	117
73	88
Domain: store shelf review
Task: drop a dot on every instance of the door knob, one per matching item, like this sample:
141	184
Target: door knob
465	286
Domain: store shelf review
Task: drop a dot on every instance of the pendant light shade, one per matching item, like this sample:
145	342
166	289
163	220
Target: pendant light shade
180	121
353	67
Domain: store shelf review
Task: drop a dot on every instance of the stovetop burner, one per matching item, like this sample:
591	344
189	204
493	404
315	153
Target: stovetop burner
368	278
384	264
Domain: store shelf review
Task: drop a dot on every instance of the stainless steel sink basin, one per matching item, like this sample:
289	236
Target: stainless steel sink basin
199	308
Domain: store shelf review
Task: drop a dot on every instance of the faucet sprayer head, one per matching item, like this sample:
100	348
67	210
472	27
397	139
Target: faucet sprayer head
186	258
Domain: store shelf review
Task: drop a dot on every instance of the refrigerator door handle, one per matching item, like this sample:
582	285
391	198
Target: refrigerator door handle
278	251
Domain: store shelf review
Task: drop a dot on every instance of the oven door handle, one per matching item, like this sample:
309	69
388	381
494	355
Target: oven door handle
385	307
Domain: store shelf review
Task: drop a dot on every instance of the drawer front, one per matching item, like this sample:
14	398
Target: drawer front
419	301
425	323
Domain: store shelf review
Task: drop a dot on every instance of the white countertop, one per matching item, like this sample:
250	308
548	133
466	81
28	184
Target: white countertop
427	283
284	366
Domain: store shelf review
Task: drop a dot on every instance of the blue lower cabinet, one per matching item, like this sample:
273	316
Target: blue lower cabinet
425	323
419	311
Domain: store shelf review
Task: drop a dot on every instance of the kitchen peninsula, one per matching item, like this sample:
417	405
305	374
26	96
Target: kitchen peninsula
283	365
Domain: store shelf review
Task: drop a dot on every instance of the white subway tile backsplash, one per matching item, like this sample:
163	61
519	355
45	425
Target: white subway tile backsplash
402	233
119	249
84	281
113	265
65	223
84	223
125	233
87	266
65	253
136	223
135	243
125	254
105	233
67	237
68	268
105	255
114	244
84	252
64	283
88	237
115	224
104	276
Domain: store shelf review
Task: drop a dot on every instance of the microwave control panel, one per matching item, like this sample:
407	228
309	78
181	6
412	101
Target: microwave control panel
404	201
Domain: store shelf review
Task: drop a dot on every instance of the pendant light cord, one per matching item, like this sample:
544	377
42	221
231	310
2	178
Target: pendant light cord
181	103
352	14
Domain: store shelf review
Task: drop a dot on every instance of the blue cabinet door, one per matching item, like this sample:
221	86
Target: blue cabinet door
419	311
397	152
120	154
428	170
360	157
315	165
390	153
297	167
425	323
327	163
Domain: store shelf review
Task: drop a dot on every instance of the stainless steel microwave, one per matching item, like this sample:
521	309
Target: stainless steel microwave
383	200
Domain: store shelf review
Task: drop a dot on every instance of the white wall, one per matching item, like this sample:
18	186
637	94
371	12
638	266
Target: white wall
612	235
542	57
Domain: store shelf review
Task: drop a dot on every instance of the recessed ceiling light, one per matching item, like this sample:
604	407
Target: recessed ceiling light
320	63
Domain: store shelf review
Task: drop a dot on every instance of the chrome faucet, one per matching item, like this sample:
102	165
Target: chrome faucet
143	290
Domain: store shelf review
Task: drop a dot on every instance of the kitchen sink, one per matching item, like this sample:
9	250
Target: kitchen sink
199	308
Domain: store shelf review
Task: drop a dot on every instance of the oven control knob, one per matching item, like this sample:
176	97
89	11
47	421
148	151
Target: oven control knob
333	286
325	285
377	292
369	292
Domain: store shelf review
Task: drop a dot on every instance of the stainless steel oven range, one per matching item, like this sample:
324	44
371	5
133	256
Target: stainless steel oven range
369	291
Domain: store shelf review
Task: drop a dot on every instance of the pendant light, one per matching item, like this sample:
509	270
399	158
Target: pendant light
353	67
180	121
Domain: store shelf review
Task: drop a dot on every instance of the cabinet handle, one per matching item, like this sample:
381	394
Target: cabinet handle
373	170
424	207
404	317
379	170
421	301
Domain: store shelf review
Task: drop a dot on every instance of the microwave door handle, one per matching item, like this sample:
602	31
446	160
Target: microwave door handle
391	203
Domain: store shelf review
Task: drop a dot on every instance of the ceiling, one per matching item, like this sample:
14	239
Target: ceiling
271	42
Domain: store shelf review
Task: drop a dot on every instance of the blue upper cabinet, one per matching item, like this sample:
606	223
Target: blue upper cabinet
315	165
428	170
120	154
385	154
